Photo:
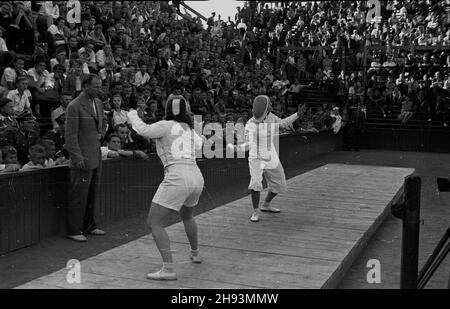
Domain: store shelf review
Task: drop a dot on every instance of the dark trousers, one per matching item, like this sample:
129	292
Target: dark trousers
83	189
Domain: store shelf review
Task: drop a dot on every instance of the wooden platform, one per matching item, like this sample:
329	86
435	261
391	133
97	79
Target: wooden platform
328	215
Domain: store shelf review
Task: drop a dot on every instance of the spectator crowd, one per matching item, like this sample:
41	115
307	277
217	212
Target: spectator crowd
145	51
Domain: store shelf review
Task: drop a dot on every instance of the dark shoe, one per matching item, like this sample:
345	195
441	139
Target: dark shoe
78	238
96	232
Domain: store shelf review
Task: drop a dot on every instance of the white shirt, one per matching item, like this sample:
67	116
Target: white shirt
105	151
30	166
337	124
141	79
45	77
119	117
259	138
242	26
3	46
91	54
21	102
173	142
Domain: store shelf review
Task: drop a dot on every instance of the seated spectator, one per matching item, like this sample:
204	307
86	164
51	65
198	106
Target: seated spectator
118	115
42	89
127	141
407	110
3	47
336	122
60	58
142	77
128	97
87	55
113	150
8	160
66	98
19	132
154	114
36	155
21	96
105	55
74	80
57	136
7	118
51	158
58	33
11	73
59	78
98	39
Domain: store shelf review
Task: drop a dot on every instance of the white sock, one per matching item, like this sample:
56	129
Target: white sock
194	252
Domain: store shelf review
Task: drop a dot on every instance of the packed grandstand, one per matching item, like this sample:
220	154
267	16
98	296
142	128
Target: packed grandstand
393	69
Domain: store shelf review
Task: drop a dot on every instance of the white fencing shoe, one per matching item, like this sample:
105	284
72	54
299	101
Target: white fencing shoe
162	275
254	217
267	208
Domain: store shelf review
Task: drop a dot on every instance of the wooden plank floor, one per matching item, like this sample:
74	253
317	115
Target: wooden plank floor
328	215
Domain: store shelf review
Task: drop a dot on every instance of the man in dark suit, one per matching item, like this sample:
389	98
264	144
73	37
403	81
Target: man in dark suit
84	130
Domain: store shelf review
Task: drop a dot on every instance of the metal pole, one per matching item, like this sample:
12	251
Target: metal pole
410	237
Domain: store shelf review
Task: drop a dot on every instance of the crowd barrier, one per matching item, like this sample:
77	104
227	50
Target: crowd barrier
33	204
402	139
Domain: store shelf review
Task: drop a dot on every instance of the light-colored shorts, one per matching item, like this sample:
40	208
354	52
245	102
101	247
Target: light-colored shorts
182	185
276	180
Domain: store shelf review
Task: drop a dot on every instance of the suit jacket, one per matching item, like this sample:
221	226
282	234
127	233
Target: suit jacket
84	132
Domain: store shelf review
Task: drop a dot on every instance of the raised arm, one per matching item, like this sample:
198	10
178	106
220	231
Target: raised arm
284	123
155	130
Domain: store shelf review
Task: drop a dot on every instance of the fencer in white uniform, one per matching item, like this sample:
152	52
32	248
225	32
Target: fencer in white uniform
176	143
260	134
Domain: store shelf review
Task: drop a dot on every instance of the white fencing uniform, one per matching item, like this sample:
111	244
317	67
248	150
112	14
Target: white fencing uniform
183	181
263	153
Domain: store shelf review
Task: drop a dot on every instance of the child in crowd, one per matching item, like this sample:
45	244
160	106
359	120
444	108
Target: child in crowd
50	154
36	155
7	168
9	156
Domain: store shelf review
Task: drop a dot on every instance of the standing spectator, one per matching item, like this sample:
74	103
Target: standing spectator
84	131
